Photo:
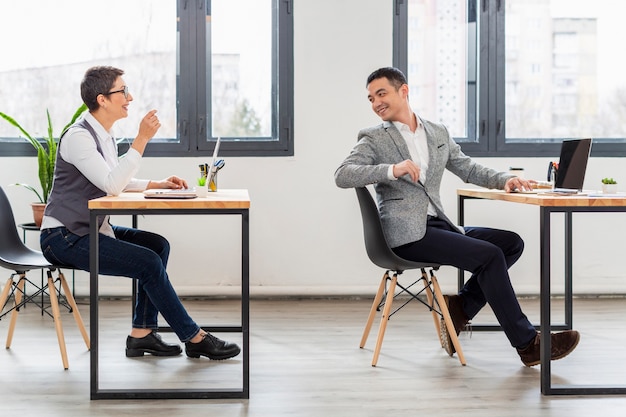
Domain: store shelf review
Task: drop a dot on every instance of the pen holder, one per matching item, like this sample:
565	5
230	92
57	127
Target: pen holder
202	190
212	182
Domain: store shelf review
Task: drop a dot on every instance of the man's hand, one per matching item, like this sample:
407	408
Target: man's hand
407	167
519	184
170	182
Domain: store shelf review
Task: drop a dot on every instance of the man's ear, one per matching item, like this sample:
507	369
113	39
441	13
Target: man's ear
404	90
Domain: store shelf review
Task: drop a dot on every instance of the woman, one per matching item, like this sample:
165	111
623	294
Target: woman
88	167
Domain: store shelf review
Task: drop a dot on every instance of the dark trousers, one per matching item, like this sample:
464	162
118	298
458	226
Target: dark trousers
135	254
487	254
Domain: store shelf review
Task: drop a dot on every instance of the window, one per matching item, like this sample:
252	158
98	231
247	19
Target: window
210	67
516	77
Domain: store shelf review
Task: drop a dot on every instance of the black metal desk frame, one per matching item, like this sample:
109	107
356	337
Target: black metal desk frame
545	297
244	391
567	294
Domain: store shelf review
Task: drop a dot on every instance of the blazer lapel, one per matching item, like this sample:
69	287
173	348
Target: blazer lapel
434	161
397	139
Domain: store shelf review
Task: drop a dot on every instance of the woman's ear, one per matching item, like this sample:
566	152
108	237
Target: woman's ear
101	100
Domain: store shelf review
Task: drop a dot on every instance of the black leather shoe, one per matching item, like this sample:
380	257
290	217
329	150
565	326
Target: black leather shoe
212	348
152	344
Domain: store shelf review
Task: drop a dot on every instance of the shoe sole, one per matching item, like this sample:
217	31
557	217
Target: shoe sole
444	336
135	353
446	340
213	357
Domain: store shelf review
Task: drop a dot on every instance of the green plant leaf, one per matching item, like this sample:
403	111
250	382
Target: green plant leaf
13	122
76	115
32	189
46	152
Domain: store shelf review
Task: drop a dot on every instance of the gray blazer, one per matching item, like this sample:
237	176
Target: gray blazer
403	203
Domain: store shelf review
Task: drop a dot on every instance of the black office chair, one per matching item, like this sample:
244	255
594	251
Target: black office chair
16	256
380	254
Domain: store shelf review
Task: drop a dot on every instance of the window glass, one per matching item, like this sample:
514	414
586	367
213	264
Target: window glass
441	62
563	72
44	72
241	68
209	67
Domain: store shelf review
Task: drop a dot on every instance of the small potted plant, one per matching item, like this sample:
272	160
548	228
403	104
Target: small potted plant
46	159
609	185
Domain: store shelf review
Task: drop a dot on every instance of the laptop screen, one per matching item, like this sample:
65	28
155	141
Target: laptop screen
573	164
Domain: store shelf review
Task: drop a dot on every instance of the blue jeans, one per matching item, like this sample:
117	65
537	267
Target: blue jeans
487	254
135	254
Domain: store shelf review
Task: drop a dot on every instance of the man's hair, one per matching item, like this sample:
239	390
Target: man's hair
97	80
394	75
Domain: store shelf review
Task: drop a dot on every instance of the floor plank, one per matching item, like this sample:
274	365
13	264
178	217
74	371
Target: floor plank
305	361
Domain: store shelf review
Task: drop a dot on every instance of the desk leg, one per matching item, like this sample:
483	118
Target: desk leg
245	300
544	233
93	300
568	271
461	221
135	282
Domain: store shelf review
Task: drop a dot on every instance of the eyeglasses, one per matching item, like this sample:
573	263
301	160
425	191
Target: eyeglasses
123	90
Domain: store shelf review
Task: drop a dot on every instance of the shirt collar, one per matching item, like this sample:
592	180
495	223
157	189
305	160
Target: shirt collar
98	128
404	127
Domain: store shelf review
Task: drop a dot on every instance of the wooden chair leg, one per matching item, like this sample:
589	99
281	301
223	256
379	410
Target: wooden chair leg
375	304
385	317
448	320
77	317
18	299
56	314
430	298
4	297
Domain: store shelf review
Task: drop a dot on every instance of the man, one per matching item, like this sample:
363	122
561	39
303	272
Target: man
405	158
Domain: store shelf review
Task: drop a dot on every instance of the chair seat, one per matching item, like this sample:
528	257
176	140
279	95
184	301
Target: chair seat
24	259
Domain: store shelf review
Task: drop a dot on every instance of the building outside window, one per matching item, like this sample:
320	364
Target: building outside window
516	77
210	67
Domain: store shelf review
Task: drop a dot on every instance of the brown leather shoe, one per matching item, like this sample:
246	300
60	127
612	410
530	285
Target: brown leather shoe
562	344
460	320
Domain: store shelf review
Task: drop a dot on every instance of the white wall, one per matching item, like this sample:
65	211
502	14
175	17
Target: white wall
306	236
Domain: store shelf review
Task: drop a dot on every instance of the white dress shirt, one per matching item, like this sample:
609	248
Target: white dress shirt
111	174
418	148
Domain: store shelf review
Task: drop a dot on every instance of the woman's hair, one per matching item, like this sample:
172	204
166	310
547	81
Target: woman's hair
97	80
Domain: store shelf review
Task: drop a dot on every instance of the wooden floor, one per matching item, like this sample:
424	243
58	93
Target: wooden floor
305	361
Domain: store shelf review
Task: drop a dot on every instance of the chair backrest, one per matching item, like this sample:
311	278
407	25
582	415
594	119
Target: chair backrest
376	245
9	236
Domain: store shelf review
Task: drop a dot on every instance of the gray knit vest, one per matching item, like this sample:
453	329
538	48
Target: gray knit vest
71	191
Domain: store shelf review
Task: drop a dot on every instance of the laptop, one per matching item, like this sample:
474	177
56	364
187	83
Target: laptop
572	166
182	193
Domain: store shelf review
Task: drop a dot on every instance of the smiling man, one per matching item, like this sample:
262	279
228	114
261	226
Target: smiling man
405	158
